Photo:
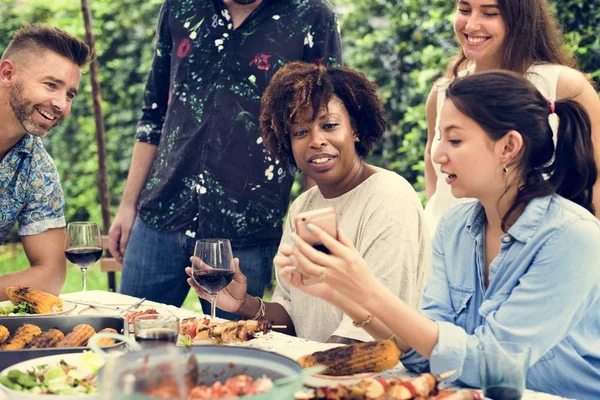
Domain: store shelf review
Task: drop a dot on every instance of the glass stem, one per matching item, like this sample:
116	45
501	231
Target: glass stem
213	306
83	279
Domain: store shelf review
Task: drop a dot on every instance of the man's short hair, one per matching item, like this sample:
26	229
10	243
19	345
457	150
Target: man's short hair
34	38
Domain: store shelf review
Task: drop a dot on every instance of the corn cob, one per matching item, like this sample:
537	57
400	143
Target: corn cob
3	334
78	337
355	358
40	302
46	340
107	341
21	337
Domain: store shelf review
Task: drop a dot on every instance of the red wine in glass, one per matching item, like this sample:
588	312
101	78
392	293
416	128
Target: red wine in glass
83	247
214	269
213	280
84	256
502	393
156	337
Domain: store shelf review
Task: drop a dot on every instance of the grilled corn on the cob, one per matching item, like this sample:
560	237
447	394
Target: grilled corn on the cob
107	341
3	334
78	337
40	302
46	340
375	356
21	337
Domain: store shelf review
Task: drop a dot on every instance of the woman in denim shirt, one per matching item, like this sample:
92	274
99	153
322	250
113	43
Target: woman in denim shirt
519	265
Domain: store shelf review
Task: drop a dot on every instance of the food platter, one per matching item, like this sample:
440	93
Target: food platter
64	323
67	308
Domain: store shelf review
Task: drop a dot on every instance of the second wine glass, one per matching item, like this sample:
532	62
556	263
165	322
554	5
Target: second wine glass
84	246
213	268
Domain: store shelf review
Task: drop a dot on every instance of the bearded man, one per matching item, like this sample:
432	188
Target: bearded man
39	76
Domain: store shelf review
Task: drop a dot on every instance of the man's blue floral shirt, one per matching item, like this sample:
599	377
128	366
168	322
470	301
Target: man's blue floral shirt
30	191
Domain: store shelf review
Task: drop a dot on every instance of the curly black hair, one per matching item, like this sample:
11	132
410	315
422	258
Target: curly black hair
299	86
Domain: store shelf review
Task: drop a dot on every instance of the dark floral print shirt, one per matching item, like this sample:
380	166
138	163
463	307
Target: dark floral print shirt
212	176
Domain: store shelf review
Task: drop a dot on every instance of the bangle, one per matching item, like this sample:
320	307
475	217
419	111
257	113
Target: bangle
362	324
261	309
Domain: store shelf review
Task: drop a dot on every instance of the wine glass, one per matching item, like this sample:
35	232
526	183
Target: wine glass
213	267
84	246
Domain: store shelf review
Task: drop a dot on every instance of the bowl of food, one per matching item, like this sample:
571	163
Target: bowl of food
204	372
70	376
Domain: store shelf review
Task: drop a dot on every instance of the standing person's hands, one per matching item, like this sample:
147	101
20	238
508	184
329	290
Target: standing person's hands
120	230
343	270
232	297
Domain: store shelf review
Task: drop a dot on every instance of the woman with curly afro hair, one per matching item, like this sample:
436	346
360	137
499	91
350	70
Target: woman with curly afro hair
324	121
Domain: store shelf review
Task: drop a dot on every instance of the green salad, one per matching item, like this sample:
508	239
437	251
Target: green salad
21	309
61	378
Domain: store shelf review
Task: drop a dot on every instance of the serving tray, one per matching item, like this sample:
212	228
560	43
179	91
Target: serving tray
63	323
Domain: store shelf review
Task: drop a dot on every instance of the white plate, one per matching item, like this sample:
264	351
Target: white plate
71	358
67	308
91	310
318	380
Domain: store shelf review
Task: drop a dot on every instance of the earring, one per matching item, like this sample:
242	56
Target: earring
505	169
356	139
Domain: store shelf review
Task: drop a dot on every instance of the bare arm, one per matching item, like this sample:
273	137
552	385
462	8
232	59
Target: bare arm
572	84
141	164
431	114
46	254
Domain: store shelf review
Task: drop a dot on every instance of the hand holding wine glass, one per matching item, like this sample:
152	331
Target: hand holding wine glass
213	267
83	247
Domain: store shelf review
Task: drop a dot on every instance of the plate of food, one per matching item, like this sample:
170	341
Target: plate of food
424	386
352	363
63	376
29	302
124	310
206	372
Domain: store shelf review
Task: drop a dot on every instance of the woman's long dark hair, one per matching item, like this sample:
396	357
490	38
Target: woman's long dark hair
501	101
533	35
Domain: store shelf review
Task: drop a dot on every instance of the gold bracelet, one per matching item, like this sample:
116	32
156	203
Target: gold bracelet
362	324
261	309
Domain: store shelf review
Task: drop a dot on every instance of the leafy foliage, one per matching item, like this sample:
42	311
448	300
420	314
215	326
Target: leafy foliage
124	32
401	45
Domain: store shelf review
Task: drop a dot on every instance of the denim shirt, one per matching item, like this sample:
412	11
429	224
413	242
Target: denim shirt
30	192
544	292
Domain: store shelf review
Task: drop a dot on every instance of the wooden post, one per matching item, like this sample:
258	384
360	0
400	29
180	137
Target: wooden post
100	130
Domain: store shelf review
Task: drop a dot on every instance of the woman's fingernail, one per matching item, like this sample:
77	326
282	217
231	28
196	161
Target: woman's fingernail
310	227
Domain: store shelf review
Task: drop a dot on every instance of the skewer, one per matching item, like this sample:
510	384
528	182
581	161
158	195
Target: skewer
278	326
445	375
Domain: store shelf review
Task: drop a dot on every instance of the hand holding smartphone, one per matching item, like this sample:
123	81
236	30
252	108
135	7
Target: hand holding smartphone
325	219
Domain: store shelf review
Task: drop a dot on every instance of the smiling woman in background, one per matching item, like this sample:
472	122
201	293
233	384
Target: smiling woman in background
324	121
520	36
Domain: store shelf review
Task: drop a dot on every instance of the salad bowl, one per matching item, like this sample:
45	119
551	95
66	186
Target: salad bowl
85	364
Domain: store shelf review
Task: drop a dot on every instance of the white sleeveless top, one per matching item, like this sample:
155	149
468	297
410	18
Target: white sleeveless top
545	79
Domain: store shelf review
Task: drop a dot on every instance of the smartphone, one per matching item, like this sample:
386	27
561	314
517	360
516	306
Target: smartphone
324	218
